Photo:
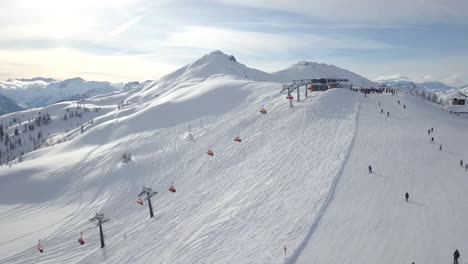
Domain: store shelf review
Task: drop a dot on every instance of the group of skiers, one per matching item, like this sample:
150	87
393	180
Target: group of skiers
429	131
388	113
466	165
456	254
404	105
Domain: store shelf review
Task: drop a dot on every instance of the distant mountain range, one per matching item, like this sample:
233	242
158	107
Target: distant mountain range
8	106
40	91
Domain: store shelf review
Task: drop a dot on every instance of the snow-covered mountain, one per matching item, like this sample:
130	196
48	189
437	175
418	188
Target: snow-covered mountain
308	70
295	189
437	92
38	92
7	105
214	63
435	86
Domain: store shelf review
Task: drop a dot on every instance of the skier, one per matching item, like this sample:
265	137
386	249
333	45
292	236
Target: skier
432	129
398	101
428	131
461	163
432	140
440	147
456	256
381	111
370	169
406	196
466	166
404	106
388	113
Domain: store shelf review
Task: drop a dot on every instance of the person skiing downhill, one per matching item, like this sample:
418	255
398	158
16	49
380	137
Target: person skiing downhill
398	101
432	129
466	166
440	147
428	131
404	106
406	196
388	113
370	169
456	256
381	111
432	140
461	163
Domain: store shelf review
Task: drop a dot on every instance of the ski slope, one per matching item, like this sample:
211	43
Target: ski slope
368	220
240	206
298	178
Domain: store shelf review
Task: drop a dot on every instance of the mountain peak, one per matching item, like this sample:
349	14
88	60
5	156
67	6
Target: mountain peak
214	63
311	70
216	56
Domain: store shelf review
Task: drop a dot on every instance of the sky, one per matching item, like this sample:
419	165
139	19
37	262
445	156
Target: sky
124	40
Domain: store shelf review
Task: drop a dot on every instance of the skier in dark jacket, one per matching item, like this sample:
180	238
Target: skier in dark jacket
440	147
466	166
428	131
432	129
432	140
398	101
388	113
461	163
404	106
370	169
406	196
381	111
456	256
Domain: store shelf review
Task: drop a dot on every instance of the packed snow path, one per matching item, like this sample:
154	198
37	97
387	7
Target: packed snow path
368	220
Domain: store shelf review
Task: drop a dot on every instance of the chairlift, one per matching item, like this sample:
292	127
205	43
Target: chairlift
39	247
81	240
172	189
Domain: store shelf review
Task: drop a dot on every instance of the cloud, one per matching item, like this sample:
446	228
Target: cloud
368	11
124	27
250	42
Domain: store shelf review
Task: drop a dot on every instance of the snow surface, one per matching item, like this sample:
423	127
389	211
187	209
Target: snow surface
298	178
367	219
227	208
